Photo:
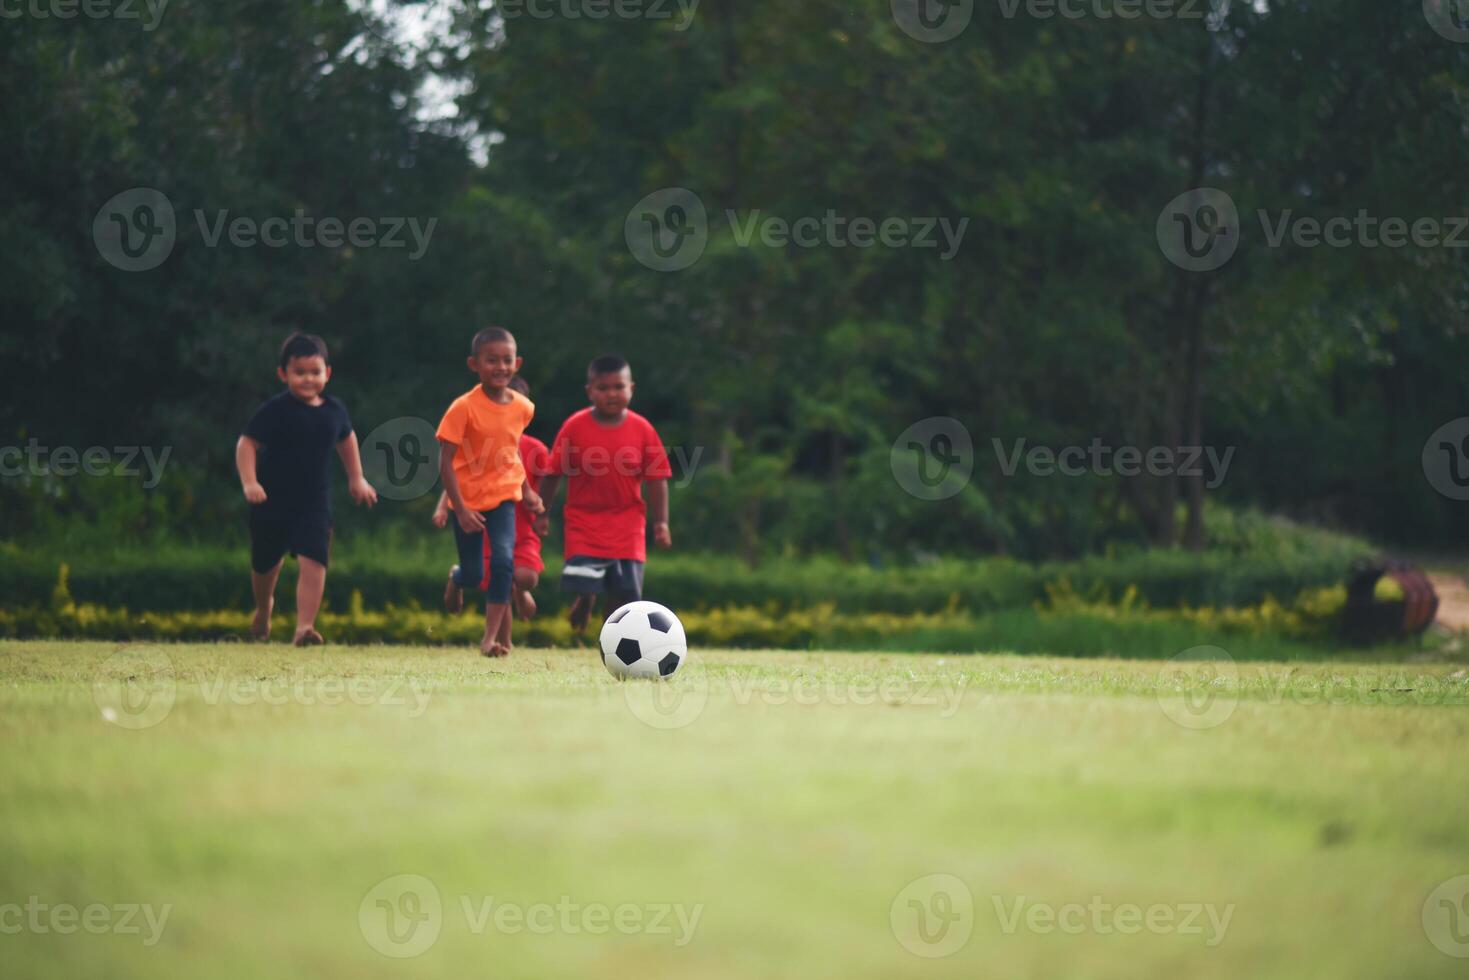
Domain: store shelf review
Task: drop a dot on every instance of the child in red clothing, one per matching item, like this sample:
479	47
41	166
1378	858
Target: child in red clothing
606	453
527	561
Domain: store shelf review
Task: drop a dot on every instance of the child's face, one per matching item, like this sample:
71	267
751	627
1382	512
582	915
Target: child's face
305	377
611	393
495	362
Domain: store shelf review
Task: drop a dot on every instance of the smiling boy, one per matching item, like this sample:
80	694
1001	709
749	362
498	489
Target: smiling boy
284	461
479	463
606	453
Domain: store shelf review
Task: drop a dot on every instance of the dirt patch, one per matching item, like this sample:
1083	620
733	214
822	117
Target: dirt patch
1453	601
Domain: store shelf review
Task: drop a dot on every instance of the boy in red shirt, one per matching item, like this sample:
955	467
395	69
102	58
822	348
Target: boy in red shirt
528	564
479	462
606	453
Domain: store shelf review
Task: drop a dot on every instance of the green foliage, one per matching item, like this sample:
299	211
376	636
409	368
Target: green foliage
204	578
1056	321
1064	625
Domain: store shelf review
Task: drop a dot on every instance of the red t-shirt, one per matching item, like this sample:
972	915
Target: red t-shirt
534	456
605	467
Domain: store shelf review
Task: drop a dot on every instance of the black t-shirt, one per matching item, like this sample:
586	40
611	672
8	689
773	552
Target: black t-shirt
295	461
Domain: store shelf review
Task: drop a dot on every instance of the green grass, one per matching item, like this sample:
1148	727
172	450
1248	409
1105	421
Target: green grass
795	798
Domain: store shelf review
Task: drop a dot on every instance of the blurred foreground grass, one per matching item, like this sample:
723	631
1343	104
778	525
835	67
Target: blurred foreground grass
773	811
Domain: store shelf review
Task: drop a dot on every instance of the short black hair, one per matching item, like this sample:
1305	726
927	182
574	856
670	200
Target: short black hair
607	364
490	335
521	385
301	344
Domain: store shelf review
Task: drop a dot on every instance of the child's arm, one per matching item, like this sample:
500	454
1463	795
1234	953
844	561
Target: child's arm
469	520
531	499
357	484
657	493
441	511
550	486
245	451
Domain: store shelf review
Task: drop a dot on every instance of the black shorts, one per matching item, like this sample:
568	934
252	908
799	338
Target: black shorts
589	576
306	535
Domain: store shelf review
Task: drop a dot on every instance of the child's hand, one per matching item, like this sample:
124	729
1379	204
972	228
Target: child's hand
469	521
254	493
362	492
662	536
542	524
441	516
534	502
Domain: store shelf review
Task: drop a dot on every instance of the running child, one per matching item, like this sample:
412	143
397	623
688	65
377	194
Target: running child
527	559
284	461
484	479
606	453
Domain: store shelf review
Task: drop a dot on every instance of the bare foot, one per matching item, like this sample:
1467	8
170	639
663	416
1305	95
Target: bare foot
260	625
525	604
494	650
453	594
306	636
581	611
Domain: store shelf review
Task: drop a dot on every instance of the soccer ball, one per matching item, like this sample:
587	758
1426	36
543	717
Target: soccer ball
643	639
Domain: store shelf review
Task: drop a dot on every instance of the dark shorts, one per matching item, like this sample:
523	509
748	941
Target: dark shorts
589	576
307	535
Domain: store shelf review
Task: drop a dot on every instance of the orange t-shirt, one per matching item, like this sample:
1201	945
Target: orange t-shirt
488	462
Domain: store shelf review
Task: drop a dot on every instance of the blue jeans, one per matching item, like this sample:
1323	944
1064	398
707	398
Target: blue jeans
487	558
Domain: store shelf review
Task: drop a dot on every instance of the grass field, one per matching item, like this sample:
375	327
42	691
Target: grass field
764	814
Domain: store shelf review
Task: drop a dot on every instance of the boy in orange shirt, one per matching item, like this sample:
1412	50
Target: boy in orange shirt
528	562
479	463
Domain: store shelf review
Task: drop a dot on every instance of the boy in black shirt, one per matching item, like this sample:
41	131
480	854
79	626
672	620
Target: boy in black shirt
291	437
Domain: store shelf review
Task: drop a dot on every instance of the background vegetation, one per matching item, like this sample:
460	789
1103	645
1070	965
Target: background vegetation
792	370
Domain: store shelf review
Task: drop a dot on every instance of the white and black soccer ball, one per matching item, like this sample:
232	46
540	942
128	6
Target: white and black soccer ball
643	639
